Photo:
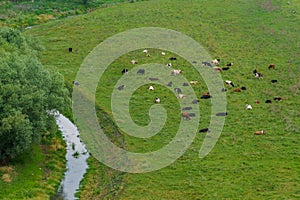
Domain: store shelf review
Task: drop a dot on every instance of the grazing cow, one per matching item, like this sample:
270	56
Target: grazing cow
133	62
268	101
271	66
215	61
172	58
223	90
170	84
194	62
194	82
163	53
145	51
185	84
185	115
75	83
229	64
206	64
70	50
195	101
243	88
222	114
258	75
257	101
176	72
273	81
206	96
169	65
229	83
204	130
181	96
237	90
277	99
260	132
218	69
125	71
178	90
225	68
192	114
157	100
248	107
153	79
187	108
121	87
141	72
151	88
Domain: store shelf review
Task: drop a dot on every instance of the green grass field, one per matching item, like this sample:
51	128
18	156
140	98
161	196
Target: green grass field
251	34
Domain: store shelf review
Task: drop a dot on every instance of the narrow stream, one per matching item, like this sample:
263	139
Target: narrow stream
76	159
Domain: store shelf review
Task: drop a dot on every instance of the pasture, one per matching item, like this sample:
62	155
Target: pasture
242	165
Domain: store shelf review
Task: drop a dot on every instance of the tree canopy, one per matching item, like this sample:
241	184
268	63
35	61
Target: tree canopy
27	92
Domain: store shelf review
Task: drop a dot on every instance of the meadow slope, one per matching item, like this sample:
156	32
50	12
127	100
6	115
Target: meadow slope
251	34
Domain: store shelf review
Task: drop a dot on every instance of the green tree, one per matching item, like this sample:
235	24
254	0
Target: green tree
27	92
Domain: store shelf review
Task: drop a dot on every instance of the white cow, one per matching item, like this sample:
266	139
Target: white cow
157	100
248	107
151	88
176	72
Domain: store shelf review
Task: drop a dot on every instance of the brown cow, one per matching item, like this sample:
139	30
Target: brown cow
260	132
185	115
237	90
271	66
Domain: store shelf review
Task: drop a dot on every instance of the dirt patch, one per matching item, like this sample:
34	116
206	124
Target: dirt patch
268	6
6	178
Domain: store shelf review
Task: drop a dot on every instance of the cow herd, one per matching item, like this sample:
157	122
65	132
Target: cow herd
215	64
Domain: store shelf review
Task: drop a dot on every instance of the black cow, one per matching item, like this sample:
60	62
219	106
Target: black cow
222	114
178	90
204	130
274	81
268	101
170	84
121	87
223	90
195	101
125	71
172	58
206	96
206	64
225	68
141	72
187	108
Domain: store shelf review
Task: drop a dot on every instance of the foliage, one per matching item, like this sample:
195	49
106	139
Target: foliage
21	14
27	92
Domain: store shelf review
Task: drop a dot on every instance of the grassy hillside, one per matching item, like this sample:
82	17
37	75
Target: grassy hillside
36	174
251	34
